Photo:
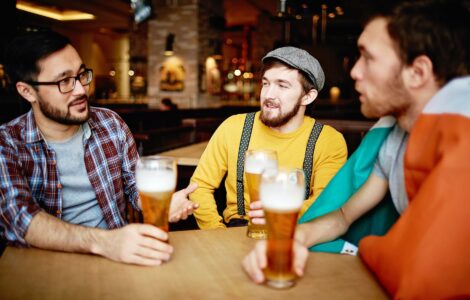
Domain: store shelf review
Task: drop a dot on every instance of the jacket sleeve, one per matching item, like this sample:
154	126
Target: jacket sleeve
209	173
329	156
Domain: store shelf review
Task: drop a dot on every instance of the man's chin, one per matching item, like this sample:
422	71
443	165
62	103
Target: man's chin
368	113
81	114
77	118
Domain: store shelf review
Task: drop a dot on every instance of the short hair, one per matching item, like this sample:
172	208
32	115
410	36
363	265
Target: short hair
23	53
305	81
439	29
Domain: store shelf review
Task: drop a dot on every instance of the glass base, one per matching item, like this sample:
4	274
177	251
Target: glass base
257	235
280	284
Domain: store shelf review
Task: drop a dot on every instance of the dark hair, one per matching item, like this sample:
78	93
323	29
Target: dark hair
169	103
439	29
23	53
305	81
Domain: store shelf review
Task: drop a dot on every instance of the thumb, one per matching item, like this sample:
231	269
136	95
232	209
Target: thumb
190	188
300	259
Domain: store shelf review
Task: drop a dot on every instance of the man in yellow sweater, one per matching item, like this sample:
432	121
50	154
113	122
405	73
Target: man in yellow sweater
291	81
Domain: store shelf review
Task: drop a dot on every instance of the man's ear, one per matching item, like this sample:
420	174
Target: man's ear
309	97
419	73
26	91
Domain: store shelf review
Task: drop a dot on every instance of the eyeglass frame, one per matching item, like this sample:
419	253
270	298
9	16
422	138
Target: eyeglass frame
75	78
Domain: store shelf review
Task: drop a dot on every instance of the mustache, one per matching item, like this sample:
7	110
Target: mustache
79	99
271	103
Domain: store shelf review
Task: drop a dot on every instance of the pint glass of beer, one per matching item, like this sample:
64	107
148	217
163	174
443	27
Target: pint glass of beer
282	194
156	182
255	162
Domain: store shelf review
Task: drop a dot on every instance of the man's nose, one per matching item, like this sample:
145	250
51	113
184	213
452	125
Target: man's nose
79	88
270	91
356	72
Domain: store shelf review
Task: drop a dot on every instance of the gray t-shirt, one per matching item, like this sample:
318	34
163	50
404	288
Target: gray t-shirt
79	204
390	166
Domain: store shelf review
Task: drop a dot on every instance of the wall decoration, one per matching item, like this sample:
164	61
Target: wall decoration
212	76
172	75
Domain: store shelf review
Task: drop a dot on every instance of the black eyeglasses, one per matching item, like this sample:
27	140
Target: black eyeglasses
67	84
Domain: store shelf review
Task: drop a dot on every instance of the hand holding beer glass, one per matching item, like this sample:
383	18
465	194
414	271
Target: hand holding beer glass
156	183
282	194
256	161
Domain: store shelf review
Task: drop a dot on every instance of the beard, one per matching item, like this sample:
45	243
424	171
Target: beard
395	101
282	118
64	117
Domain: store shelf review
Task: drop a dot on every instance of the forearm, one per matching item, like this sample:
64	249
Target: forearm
322	229
334	224
48	232
207	216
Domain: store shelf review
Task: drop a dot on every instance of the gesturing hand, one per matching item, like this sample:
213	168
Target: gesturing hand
181	207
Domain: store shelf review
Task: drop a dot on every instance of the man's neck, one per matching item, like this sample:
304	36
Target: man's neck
420	99
53	131
292	125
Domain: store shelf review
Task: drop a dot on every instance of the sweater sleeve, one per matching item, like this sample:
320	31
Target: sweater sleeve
329	156
209	173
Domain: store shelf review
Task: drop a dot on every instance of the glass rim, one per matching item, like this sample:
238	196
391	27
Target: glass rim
274	172
260	151
156	162
156	158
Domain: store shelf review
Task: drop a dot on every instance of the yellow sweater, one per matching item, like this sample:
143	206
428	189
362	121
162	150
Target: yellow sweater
220	158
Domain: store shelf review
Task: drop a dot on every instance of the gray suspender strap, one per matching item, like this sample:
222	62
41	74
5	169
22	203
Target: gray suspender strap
308	159
244	141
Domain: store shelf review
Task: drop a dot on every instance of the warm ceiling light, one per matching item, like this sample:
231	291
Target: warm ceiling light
53	13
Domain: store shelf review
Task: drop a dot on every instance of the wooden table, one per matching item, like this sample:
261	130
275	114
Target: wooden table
205	265
188	155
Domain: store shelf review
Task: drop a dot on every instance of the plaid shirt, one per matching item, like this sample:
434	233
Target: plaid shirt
30	180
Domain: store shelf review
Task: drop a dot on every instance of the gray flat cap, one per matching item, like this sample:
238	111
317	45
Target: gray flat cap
301	60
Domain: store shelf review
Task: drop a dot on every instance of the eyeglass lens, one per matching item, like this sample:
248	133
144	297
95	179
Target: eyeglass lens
68	84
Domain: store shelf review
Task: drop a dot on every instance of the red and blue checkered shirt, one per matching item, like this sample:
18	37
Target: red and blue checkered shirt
30	180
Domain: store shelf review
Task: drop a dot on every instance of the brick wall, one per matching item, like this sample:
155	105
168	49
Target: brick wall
189	21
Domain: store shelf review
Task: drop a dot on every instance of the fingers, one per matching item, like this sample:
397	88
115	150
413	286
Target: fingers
151	231
143	261
259	213
154	250
256	205
261	254
300	258
156	245
255	262
256	213
187	209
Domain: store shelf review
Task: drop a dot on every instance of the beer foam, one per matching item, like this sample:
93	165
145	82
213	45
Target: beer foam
155	180
256	164
282	197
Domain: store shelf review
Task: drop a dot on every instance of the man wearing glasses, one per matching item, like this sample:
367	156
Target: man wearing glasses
67	169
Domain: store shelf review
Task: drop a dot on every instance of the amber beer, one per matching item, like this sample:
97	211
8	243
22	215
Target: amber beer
282	195
156	182
156	206
255	162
